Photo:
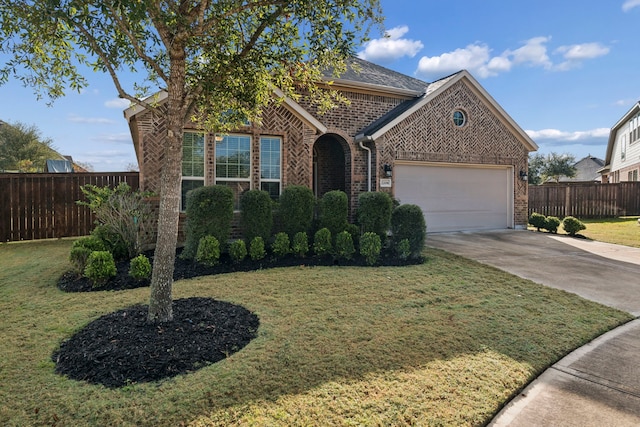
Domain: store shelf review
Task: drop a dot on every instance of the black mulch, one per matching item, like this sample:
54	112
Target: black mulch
123	348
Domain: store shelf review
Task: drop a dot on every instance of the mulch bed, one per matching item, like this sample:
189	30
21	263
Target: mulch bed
123	347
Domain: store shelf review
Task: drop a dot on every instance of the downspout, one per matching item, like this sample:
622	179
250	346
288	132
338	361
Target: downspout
361	139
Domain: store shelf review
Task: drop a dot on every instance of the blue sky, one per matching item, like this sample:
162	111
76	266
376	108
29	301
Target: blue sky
565	71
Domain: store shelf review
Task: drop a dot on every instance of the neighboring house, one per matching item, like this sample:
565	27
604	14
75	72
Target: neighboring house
446	146
587	170
622	162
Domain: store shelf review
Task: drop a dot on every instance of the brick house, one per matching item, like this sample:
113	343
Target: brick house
446	146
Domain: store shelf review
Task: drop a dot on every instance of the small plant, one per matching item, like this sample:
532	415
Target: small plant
256	249
238	250
370	247
140	267
281	245
208	251
551	224
344	245
100	267
403	249
300	246
322	242
407	222
81	249
572	225
537	220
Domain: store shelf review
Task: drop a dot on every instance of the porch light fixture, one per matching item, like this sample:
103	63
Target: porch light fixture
523	176
387	170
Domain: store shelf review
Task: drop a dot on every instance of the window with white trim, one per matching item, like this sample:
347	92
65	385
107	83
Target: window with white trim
233	164
270	165
192	164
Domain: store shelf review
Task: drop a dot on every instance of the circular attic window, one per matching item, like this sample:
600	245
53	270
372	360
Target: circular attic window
459	118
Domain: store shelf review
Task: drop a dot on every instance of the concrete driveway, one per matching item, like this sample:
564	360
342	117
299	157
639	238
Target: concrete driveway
608	274
599	383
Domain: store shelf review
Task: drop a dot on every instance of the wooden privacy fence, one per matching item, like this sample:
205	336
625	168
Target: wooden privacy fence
585	200
43	205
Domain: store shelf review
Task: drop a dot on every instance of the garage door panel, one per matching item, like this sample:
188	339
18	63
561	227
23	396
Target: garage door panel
457	198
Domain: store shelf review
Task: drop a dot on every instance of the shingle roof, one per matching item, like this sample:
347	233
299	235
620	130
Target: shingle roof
365	72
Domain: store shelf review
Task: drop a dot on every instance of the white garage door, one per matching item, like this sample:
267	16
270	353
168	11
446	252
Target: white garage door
455	198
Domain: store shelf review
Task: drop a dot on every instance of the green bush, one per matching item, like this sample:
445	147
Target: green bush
81	249
140	267
374	213
572	225
334	211
208	251
354	230
256	214
295	209
300	245
537	220
370	247
256	249
281	245
322	242
403	249
209	213
407	222
551	224
344	245
124	216
113	241
100	267
237	250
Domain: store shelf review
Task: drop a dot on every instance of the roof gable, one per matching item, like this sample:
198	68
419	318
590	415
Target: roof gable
404	110
614	130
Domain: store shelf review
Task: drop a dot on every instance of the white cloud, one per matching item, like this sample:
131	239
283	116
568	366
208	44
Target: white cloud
575	54
557	137
391	47
533	53
113	138
118	103
474	57
89	120
630	4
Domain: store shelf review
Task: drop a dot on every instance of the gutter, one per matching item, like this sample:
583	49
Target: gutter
361	139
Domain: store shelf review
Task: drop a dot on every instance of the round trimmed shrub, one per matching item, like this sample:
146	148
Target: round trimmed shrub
295	209
572	225
537	220
407	222
256	214
344	245
81	249
281	245
551	224
374	213
256	249
334	211
208	251
140	267
322	242
209	213
100	267
370	247
300	245
237	250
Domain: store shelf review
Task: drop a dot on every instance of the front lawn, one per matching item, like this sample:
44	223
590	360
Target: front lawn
443	343
622	230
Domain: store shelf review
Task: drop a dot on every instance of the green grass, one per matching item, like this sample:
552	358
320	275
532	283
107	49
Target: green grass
622	231
444	343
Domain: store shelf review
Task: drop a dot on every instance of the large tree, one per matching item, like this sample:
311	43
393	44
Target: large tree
218	60
23	149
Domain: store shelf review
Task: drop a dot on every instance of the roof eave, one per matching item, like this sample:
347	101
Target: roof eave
388	90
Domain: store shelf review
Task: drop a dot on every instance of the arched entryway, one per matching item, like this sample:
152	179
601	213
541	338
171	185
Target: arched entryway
331	165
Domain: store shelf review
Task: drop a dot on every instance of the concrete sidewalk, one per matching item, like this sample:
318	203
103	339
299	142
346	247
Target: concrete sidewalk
599	383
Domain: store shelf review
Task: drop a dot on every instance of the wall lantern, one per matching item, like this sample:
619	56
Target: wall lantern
523	176
387	170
